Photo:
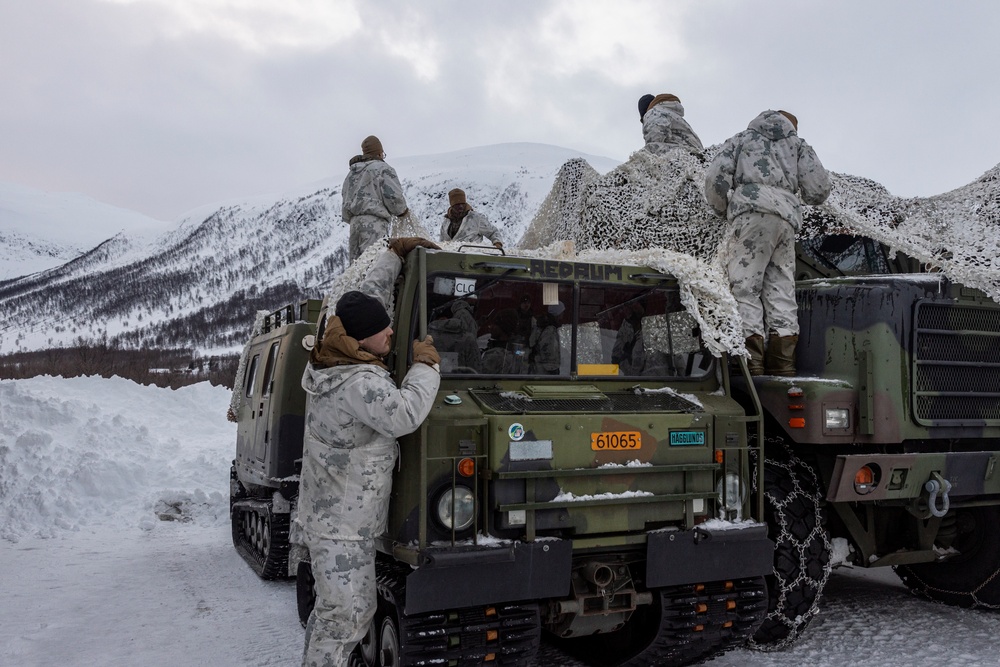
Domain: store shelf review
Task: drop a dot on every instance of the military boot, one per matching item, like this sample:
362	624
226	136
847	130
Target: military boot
780	356
755	346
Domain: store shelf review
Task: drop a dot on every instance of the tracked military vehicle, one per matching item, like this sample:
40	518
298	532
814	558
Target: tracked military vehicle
887	443
573	477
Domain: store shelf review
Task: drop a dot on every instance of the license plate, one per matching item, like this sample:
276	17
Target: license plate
685	438
615	441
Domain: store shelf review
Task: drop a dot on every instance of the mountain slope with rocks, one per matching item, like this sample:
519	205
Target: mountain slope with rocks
199	284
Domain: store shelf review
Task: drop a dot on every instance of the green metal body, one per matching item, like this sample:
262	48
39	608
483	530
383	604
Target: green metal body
908	365
578	474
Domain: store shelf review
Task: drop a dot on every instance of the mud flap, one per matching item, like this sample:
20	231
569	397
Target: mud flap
692	556
486	575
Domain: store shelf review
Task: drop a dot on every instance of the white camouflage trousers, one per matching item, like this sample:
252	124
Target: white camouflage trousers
762	274
365	231
346	597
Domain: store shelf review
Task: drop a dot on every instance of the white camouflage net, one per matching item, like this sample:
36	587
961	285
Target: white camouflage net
654	206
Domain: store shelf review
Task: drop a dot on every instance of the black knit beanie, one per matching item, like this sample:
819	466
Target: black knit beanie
644	104
361	315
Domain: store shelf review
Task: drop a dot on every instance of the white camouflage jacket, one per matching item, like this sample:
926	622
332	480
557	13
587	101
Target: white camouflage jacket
474	227
664	128
766	169
372	189
354	413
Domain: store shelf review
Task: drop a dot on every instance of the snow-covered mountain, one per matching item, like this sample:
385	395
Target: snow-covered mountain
43	230
199	283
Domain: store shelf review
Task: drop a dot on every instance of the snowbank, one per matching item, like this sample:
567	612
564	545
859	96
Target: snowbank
74	452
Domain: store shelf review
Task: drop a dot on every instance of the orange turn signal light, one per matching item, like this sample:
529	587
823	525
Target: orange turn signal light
797	422
864	475
467	468
719	456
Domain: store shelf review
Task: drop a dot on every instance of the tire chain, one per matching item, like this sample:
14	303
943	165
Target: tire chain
804	486
976	602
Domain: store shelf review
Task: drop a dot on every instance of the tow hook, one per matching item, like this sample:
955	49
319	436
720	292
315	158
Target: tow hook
935	485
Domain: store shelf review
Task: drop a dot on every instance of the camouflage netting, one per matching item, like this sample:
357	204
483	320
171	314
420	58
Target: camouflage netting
654	207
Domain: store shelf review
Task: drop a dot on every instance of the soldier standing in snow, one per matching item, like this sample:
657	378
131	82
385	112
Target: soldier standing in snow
663	124
372	196
463	224
354	413
757	181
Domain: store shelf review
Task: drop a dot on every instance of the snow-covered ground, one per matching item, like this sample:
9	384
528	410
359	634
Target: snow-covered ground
94	572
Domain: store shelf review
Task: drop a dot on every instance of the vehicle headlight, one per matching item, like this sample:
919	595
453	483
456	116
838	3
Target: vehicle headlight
837	418
456	508
732	495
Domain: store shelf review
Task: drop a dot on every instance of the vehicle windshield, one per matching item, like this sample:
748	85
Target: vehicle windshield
506	327
845	254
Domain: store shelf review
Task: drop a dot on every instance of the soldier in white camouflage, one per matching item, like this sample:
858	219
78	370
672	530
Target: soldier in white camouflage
372	196
354	413
663	124
759	181
465	225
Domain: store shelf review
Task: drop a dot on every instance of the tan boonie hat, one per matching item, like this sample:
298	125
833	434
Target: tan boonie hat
371	147
795	121
456	196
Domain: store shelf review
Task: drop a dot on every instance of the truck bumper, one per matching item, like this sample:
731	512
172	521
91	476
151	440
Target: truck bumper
485	575
681	557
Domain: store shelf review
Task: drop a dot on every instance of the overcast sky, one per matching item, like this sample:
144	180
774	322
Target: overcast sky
164	105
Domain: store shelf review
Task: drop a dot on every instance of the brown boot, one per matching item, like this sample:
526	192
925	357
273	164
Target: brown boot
780	356
755	346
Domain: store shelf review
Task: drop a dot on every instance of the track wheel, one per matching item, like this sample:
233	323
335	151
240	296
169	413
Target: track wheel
368	648
795	517
969	579
388	642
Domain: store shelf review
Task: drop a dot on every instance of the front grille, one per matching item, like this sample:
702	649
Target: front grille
956	364
621	402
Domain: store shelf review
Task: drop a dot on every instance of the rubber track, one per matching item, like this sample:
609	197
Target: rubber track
458	636
274	563
685	635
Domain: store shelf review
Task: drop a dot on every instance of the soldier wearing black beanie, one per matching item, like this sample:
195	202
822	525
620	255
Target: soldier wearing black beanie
361	315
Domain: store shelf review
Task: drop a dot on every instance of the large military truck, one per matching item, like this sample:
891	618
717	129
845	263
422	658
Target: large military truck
884	448
572	476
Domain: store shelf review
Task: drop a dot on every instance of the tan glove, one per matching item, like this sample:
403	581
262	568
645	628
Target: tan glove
425	353
404	244
497	244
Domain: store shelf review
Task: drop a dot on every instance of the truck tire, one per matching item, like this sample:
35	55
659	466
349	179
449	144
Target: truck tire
796	521
969	579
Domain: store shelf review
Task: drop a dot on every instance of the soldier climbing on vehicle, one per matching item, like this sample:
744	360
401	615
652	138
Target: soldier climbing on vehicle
354	413
757	182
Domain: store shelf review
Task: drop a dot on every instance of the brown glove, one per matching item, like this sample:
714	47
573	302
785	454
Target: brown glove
404	244
497	244
424	352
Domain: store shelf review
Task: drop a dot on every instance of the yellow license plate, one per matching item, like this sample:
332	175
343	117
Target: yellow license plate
615	441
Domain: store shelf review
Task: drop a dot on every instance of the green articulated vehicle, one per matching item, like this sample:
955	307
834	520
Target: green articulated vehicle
585	471
885	449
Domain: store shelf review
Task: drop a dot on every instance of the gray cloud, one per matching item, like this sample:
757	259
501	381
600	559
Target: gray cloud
162	107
